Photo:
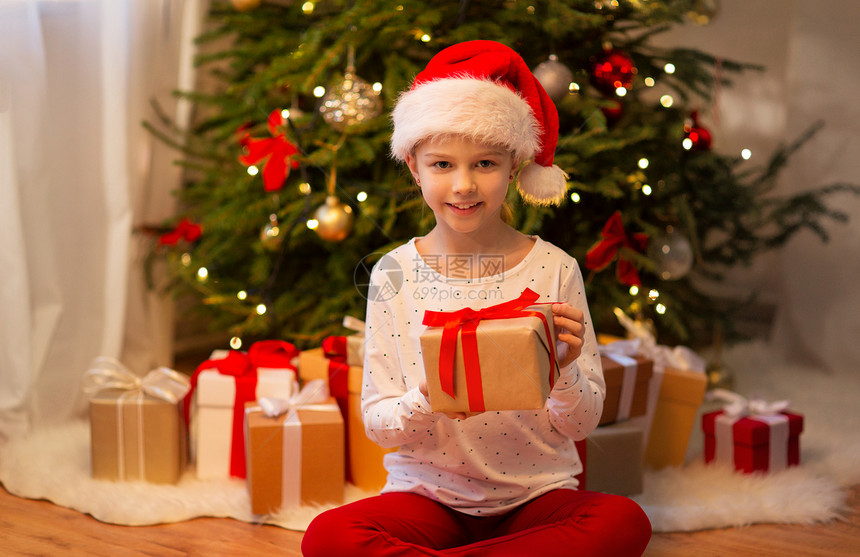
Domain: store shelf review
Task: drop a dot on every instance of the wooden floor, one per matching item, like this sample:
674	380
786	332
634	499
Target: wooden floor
40	528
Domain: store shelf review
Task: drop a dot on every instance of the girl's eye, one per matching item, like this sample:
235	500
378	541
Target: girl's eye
442	164
486	163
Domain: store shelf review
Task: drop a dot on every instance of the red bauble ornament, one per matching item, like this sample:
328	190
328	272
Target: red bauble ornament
612	69
700	137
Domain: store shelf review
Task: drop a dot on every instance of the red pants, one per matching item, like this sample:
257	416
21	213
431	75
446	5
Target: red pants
561	522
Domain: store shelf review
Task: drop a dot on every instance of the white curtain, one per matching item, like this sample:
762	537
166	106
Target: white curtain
78	175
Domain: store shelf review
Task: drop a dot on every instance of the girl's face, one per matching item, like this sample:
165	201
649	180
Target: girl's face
463	182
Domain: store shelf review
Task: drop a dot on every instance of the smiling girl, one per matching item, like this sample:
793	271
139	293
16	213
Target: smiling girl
496	483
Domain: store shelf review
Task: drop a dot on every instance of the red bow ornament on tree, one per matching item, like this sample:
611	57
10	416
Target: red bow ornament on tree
614	238
185	230
278	150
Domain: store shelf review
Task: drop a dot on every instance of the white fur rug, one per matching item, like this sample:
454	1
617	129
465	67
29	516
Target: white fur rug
53	464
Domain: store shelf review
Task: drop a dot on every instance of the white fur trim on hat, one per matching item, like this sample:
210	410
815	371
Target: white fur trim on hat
542	185
475	108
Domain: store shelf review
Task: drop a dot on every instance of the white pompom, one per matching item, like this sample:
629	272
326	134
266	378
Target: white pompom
542	185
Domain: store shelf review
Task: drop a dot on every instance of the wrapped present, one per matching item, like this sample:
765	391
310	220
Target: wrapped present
627	382
752	435
220	388
349	348
294	451
363	456
681	392
138	431
670	413
498	358
612	460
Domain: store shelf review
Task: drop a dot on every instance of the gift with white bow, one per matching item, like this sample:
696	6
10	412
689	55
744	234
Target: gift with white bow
627	374
364	467
675	392
752	435
137	428
294	450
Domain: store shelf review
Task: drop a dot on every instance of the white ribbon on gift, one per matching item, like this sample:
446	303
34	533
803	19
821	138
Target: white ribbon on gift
679	357
621	352
738	407
313	396
162	383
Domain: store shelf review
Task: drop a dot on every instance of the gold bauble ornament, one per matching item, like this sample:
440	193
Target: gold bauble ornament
351	102
334	220
270	234
245	5
555	78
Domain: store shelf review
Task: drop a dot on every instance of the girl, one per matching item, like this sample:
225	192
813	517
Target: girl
494	483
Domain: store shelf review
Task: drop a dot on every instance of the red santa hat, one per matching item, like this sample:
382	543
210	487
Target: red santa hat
485	91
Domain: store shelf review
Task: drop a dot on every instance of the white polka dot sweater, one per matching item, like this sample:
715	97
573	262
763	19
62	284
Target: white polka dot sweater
493	461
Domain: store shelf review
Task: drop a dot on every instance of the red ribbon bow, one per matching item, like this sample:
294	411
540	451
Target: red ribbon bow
467	320
185	230
277	148
614	238
276	354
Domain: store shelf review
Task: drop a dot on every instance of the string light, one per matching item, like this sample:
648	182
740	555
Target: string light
202	274
634	290
746	154
241	294
643	163
308	8
653	294
669	68
304	188
667	101
261	309
687	143
573	87
319	91
313	223
649	82
621	91
185	258
377	87
235	343
660	308
362	196
646	189
575	197
253	170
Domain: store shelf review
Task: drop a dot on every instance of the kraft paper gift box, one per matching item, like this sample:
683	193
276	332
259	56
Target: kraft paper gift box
221	387
627	380
612	460
294	458
364	457
498	358
138	431
349	348
680	395
753	443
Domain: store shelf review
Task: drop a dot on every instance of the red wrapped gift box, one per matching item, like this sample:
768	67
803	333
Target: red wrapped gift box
758	443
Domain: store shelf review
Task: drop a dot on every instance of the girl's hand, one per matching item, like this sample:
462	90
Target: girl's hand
422	386
570	324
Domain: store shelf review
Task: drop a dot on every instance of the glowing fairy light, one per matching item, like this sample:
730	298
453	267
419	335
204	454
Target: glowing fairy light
308	8
313	224
253	170
261	309
319	91
202	274
660	308
235	343
669	68
666	101
634	290
643	163
646	189
575	197
746	154
362	196
242	295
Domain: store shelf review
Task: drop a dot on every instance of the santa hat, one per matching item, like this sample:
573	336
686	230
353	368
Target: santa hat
485	91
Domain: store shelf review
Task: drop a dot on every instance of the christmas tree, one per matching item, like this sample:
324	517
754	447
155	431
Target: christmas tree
291	195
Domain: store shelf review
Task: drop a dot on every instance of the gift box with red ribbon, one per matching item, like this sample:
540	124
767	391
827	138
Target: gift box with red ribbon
295	451
753	436
364	467
497	358
216	404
